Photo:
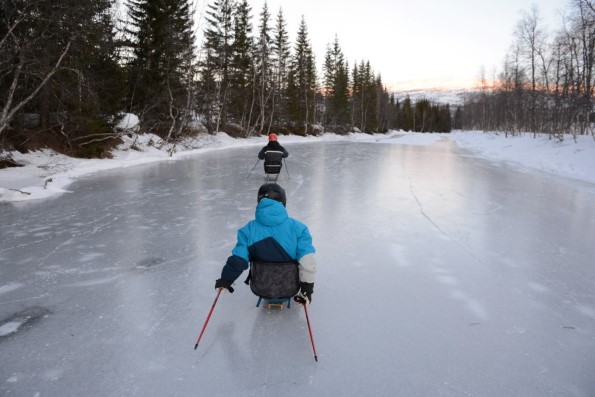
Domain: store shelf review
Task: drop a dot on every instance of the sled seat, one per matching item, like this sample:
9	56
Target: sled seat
275	283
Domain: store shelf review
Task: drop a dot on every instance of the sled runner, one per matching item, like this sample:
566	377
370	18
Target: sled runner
275	283
274	303
271	177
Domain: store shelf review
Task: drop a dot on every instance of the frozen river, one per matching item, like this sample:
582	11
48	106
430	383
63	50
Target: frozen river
440	274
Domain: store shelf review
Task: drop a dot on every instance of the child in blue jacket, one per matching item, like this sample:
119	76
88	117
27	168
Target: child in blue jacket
273	236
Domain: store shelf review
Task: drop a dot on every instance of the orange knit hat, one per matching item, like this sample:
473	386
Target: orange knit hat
272	137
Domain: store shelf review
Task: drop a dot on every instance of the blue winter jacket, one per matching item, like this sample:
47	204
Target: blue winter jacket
272	236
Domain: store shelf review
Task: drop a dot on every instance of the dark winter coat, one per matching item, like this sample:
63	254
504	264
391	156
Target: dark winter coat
273	154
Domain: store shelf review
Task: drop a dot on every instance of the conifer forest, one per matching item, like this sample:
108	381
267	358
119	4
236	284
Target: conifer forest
70	70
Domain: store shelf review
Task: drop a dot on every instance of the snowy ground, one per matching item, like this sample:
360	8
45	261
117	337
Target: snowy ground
440	273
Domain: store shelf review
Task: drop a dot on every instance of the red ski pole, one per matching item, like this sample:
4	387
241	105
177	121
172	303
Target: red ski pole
208	317
301	300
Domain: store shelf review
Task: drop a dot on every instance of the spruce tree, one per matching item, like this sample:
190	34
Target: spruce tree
371	100
241	79
96	92
280	52
366	96
407	115
162	55
336	85
355	97
216	64
384	107
263	73
328	84
424	116
302	82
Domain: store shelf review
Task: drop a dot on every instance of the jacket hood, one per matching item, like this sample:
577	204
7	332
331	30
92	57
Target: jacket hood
270	212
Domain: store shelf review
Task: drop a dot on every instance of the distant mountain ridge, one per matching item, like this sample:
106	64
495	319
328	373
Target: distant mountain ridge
451	97
446	91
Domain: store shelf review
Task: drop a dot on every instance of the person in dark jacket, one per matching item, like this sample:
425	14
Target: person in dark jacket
273	154
272	237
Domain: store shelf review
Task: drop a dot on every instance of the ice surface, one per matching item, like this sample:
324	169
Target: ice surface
440	274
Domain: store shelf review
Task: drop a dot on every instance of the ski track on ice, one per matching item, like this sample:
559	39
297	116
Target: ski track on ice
421	210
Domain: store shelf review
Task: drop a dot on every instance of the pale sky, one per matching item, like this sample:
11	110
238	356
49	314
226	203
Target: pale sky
406	41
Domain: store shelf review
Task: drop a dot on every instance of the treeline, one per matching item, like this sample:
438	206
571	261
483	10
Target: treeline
61	81
546	83
69	69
